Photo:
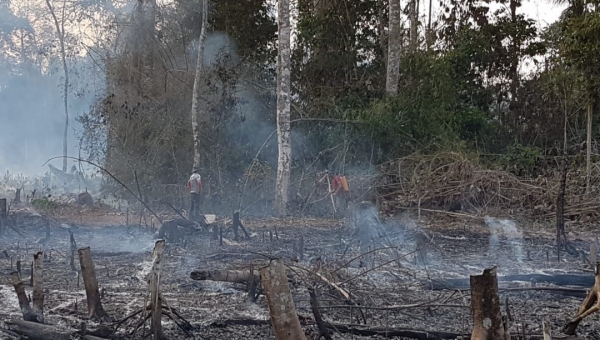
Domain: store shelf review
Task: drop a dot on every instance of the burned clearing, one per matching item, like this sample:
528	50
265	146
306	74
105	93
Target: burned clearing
411	282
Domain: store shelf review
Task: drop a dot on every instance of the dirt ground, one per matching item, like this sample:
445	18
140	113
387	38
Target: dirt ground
218	310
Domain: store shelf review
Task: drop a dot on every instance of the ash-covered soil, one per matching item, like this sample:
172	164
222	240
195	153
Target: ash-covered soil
388	277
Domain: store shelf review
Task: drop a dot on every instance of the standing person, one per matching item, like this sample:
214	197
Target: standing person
194	184
341	193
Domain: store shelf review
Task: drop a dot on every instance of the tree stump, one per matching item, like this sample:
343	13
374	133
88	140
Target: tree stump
38	288
590	305
91	284
23	300
281	303
155	300
485	306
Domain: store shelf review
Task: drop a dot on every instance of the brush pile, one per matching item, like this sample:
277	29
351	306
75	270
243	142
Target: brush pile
450	181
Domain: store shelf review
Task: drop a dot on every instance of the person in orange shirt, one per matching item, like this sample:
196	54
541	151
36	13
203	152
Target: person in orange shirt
341	193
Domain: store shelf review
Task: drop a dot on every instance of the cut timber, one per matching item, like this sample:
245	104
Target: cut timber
155	300
559	280
590	305
38	288
23	300
235	276
485	306
286	324
91	284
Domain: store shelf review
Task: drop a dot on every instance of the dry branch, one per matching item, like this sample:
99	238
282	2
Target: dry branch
590	305
314	304
286	324
485	305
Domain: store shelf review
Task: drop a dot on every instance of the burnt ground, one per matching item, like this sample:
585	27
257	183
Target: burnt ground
122	257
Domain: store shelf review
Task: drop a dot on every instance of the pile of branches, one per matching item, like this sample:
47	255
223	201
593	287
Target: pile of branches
452	182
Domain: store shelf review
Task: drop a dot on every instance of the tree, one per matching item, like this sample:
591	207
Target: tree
580	47
60	33
197	114
414	23
394	48
284	65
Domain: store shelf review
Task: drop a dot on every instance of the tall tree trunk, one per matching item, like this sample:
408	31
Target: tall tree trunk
514	65
588	156
394	46
197	115
61	38
283	109
414	22
429	36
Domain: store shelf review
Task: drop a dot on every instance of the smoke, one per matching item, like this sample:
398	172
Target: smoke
507	229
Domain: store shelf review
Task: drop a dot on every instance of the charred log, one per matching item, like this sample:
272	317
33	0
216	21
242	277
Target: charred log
559	280
234	276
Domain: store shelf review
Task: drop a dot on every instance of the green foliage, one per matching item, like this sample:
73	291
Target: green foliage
522	160
44	203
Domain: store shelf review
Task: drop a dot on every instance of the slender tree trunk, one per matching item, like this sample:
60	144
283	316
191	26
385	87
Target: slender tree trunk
61	38
283	109
414	22
197	114
429	36
588	156
394	46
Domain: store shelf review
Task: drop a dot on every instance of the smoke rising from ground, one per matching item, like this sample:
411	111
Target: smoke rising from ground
508	229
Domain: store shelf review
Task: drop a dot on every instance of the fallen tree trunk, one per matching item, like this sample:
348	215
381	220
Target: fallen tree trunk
559	280
386	332
37	331
286	324
235	276
590	305
91	284
485	307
